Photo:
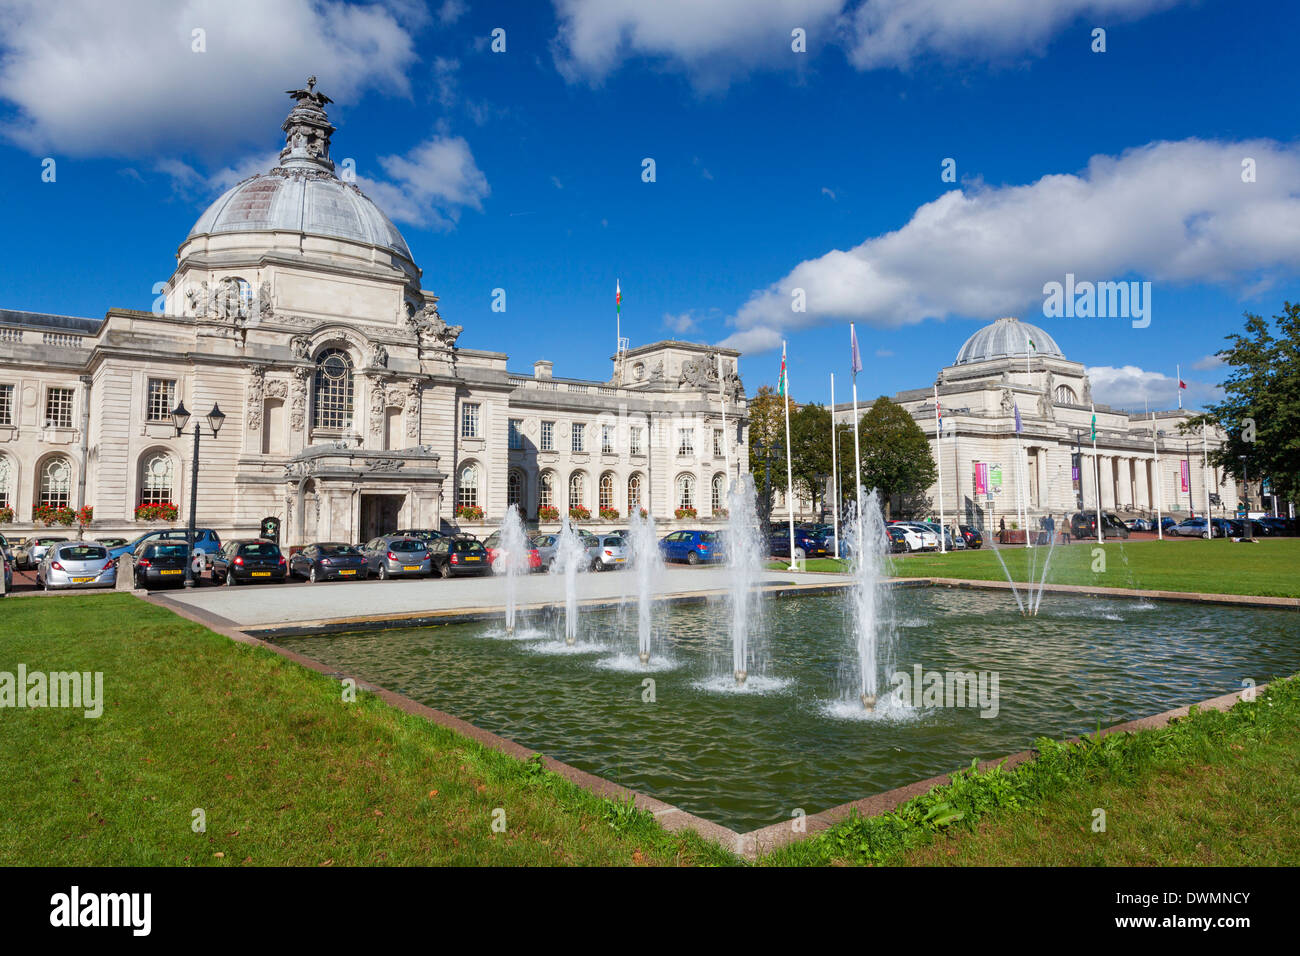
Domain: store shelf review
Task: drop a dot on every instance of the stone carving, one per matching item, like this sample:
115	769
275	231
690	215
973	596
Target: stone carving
1047	401
700	372
386	464
277	388
1087	390
262	307
430	328
301	346
379	356
298	412
256	389
657	373
1008	403
299	469
413	410
377	409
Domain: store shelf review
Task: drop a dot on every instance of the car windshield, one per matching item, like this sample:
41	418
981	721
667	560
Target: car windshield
82	552
708	536
408	544
260	548
613	541
466	547
168	550
337	549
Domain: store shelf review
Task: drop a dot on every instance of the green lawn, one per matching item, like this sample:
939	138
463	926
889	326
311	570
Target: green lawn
286	772
1220	567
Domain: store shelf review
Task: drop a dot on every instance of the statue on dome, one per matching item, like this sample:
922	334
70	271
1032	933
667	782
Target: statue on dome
309	97
431	329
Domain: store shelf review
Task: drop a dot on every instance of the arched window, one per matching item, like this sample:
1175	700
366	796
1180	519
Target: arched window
686	491
244	296
577	490
333	390
719	493
156	472
7	476
1065	395
607	490
56	483
467	487
515	488
546	489
633	493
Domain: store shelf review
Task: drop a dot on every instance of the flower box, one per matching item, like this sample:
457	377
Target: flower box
580	513
548	513
6	515
162	511
49	516
685	513
609	514
470	512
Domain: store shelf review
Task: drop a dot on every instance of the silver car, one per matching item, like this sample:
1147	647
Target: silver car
76	564
32	551
546	546
612	553
396	556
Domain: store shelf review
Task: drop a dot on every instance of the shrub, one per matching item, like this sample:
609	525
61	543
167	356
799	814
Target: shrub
163	511
6	515
580	513
85	516
470	512
548	513
49	516
609	514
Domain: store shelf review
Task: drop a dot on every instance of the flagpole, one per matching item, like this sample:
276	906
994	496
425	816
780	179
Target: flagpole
726	438
938	444
789	466
1155	450
1205	480
835	472
1178	375
1096	472
857	451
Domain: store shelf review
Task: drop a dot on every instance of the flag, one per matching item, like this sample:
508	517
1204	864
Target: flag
1094	427
1181	383
781	384
1032	346
1018	426
618	298
855	357
938	414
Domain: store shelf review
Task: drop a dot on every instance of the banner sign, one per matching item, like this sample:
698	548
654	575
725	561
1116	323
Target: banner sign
1186	475
995	475
981	478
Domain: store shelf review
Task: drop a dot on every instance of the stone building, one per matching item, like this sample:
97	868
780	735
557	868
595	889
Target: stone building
352	407
1011	365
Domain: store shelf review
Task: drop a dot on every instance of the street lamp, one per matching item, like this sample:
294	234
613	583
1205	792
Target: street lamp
1245	484
180	418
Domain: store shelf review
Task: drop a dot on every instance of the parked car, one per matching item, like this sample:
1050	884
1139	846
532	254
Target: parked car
161	562
1165	524
206	542
1196	528
897	540
972	536
424	534
1084	525
329	560
612	553
111	543
7	548
76	564
459	556
928	535
778	542
249	559
548	544
1279	526
493	545
949	542
1237	528
395	556
1138	524
915	538
690	546
31	552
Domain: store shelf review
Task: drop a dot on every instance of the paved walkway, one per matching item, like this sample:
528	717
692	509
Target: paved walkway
339	603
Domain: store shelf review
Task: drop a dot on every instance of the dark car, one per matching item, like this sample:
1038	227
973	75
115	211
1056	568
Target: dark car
1084	525
898	540
160	563
459	556
1278	526
972	536
329	560
810	545
424	534
690	546
250	559
207	542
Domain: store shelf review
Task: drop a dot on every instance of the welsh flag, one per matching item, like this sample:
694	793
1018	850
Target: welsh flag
782	383
1032	346
618	298
1182	384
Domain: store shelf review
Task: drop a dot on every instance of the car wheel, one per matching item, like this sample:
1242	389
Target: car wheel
231	580
383	572
692	557
311	576
444	570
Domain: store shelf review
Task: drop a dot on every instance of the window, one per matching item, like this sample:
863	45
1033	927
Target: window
156	479
579	436
548	436
244	293
686	491
1065	395
514	433
633	493
467	489
577	489
6	404
607	490
717	444
161	400
545	490
58	408
333	390
56	483
634	443
6	482
686	441
719	495
469	420
607	439
515	489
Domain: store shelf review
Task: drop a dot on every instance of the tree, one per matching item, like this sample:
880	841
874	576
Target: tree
1260	411
766	431
810	446
896	457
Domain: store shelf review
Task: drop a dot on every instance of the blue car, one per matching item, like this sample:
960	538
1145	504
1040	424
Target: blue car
806	541
207	543
690	546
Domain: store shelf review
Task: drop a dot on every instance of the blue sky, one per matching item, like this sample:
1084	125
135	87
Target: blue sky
522	170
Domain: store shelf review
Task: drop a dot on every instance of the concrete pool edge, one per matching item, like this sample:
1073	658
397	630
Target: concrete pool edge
748	845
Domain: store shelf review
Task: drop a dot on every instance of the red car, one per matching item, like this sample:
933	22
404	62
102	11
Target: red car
493	545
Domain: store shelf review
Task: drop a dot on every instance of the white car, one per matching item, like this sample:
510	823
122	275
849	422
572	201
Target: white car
918	538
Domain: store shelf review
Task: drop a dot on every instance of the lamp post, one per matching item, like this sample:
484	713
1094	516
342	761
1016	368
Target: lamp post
1245	485
181	418
1187	462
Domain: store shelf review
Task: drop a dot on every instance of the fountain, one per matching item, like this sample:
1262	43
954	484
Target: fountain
872	632
1033	598
512	560
745	550
570	555
648	563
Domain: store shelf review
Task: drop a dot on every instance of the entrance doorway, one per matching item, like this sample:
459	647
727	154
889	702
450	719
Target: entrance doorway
379	514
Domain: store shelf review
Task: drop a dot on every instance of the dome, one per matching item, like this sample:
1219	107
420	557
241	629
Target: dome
302	194
297	201
1007	338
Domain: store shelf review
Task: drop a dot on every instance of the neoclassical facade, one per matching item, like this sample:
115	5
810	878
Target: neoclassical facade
352	407
987	468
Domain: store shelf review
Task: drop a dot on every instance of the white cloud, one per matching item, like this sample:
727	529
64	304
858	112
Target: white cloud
83	78
898	33
430	185
1170	212
884	353
1132	388
827	191
1207	364
680	324
450	12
